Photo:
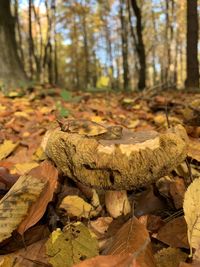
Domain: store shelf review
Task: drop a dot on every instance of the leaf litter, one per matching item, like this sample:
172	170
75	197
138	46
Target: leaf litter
34	199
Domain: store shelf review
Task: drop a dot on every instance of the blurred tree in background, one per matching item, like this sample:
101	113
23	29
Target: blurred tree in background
11	70
107	44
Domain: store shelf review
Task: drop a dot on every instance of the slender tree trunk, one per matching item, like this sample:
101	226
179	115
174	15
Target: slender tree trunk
53	6
109	52
154	47
11	70
124	37
21	52
74	38
40	53
86	52
166	57
192	80
30	39
140	46
48	55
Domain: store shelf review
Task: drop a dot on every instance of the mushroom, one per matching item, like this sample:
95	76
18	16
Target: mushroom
131	161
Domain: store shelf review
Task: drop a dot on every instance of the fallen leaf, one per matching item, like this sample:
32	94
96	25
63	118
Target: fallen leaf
170	257
6	178
191	207
31	256
194	149
22	168
174	233
100	225
15	205
133	238
148	203
126	260
76	206
177	191
7	148
71	246
46	172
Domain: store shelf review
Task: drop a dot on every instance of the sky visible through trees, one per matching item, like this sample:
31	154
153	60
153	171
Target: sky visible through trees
113	44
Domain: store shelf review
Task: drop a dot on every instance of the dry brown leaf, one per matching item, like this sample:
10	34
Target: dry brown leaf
126	260
148	203
32	256
133	238
6	178
177	191
152	222
194	149
194	264
100	225
170	257
46	172
174	233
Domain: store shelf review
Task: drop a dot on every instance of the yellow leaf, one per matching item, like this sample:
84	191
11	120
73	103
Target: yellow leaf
26	134
39	154
133	124
7	148
22	168
103	81
76	206
46	110
16	203
191	207
22	114
13	94
127	100
2	108
7	261
96	119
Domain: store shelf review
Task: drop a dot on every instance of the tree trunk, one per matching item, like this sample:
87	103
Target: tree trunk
140	46
19	34
30	40
11	71
124	36
192	80
86	52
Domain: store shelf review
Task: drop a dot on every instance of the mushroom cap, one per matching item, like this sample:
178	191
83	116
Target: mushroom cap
134	160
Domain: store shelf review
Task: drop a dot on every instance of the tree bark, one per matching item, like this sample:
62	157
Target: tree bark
140	46
124	36
86	51
11	71
19	34
192	80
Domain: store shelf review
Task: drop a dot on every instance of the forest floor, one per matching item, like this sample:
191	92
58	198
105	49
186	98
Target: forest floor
25	119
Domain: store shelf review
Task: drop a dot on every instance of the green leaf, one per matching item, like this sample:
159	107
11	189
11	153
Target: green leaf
64	112
71	246
66	95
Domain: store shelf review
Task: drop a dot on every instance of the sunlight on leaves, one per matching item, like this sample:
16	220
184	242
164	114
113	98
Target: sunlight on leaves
7	148
71	246
16	203
191	207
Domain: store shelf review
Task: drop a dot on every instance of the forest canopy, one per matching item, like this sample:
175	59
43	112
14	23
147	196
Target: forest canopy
100	44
